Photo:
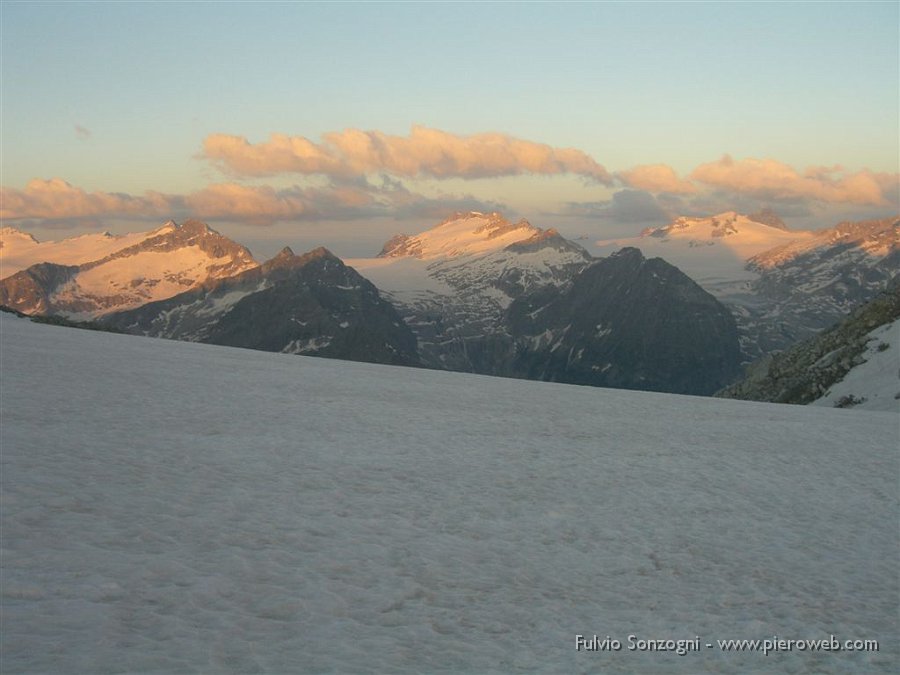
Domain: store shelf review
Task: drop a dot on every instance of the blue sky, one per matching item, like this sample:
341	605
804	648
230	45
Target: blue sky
121	97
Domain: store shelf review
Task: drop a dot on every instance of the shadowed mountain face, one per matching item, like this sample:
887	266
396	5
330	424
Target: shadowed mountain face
311	304
630	323
541	307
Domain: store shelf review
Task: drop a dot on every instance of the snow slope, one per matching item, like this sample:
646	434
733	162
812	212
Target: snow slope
713	251
471	233
173	507
876	381
155	266
19	250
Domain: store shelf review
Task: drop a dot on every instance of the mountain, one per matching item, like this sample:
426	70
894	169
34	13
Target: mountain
108	274
781	285
627	322
808	285
488	296
461	234
853	363
186	508
453	283
20	250
311	304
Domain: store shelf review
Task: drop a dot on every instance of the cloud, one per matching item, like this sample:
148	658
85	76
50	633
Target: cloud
263	205
282	154
56	203
82	133
656	178
768	179
56	199
424	153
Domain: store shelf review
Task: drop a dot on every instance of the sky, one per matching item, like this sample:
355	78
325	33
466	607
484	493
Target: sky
343	123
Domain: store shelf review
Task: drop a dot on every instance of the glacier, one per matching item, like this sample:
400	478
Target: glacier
173	506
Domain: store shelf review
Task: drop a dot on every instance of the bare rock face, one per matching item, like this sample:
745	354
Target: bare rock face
767	216
627	322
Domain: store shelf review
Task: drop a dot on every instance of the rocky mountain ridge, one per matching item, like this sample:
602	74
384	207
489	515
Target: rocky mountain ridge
806	372
311	304
781	285
159	264
513	309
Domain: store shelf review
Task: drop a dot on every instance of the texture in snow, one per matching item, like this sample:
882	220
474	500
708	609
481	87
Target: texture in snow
876	381
178	507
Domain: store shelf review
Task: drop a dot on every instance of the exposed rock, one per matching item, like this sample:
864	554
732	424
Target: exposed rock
311	304
807	370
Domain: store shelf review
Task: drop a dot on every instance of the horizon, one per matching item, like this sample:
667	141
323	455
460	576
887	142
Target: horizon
342	125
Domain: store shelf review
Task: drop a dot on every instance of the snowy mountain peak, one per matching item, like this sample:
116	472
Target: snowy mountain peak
471	233
10	234
724	224
90	275
877	238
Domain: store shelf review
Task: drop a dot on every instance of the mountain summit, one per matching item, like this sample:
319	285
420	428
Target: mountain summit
308	304
461	234
94	275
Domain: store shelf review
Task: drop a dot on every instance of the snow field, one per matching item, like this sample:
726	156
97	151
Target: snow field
171	507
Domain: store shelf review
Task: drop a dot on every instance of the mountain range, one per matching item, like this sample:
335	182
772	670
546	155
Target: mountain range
311	304
478	293
781	285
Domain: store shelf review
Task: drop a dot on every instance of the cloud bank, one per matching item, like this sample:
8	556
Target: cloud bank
54	200
772	180
656	178
351	161
424	153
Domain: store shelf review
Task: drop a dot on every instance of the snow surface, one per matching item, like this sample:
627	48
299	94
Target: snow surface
407	276
172	506
20	250
469	234
714	257
122	283
877	380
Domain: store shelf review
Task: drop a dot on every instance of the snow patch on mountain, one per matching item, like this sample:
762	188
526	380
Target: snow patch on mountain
20	250
713	251
462	234
874	384
112	274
